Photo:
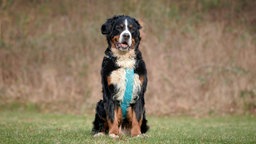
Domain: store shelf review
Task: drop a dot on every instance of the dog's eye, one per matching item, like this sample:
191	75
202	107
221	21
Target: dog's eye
131	28
120	27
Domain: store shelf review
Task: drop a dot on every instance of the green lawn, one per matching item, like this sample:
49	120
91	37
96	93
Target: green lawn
32	127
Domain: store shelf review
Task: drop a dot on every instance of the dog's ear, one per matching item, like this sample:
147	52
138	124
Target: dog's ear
106	27
137	23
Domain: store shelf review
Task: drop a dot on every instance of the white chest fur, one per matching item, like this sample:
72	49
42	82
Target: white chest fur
119	80
124	59
118	77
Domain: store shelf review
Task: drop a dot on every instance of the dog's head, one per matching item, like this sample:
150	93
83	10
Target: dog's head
122	32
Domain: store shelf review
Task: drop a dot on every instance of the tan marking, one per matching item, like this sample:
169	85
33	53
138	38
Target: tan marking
135	125
114	40
133	43
109	80
114	126
129	114
141	79
119	115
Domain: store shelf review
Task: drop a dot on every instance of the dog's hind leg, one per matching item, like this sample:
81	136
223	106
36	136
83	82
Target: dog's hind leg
100	124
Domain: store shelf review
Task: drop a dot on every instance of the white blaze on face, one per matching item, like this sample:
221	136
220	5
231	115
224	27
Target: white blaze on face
126	31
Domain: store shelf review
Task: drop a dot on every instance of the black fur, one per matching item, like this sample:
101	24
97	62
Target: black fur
105	108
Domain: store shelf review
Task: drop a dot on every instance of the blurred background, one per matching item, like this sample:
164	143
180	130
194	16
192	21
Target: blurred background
200	54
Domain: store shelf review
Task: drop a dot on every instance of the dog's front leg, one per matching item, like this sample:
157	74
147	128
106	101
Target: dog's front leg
114	119
135	118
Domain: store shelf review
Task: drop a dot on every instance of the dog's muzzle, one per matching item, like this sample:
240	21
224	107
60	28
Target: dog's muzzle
123	46
124	43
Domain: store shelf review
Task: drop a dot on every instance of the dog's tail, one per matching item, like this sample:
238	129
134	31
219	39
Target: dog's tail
144	127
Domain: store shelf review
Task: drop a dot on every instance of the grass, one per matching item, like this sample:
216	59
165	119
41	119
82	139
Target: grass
32	127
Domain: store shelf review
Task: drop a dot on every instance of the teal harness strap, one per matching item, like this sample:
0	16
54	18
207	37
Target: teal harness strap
128	91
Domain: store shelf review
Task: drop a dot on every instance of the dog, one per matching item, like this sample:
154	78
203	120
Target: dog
124	81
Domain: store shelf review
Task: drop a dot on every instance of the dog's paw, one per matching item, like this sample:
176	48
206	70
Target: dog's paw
99	134
113	136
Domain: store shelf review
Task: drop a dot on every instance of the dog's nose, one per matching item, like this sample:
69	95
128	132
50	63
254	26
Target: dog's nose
126	36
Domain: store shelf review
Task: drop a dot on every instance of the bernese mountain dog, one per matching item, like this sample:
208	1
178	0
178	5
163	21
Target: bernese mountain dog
124	81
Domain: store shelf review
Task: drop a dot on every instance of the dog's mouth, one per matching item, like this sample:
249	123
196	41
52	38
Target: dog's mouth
123	46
